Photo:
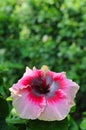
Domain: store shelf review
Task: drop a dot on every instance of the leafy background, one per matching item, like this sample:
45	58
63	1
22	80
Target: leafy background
38	32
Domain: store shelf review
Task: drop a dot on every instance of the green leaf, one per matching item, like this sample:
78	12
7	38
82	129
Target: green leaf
73	125
11	127
4	110
73	109
83	124
13	118
9	99
5	126
48	125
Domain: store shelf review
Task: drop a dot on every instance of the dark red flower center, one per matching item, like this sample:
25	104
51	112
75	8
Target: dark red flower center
39	85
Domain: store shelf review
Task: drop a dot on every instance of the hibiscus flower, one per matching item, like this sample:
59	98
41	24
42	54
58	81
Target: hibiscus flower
43	94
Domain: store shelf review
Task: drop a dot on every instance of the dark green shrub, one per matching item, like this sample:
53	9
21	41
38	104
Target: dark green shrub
37	32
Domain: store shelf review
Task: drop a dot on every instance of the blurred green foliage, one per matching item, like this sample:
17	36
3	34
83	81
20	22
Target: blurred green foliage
38	32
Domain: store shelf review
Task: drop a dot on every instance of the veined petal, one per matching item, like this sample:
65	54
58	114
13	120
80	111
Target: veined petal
28	72
27	105
68	86
24	81
26	78
57	107
70	89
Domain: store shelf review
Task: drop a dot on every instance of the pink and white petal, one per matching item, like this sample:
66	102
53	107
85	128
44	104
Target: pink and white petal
26	77
27	105
28	72
50	76
57	107
60	78
21	84
60	75
56	75
71	89
24	82
67	85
